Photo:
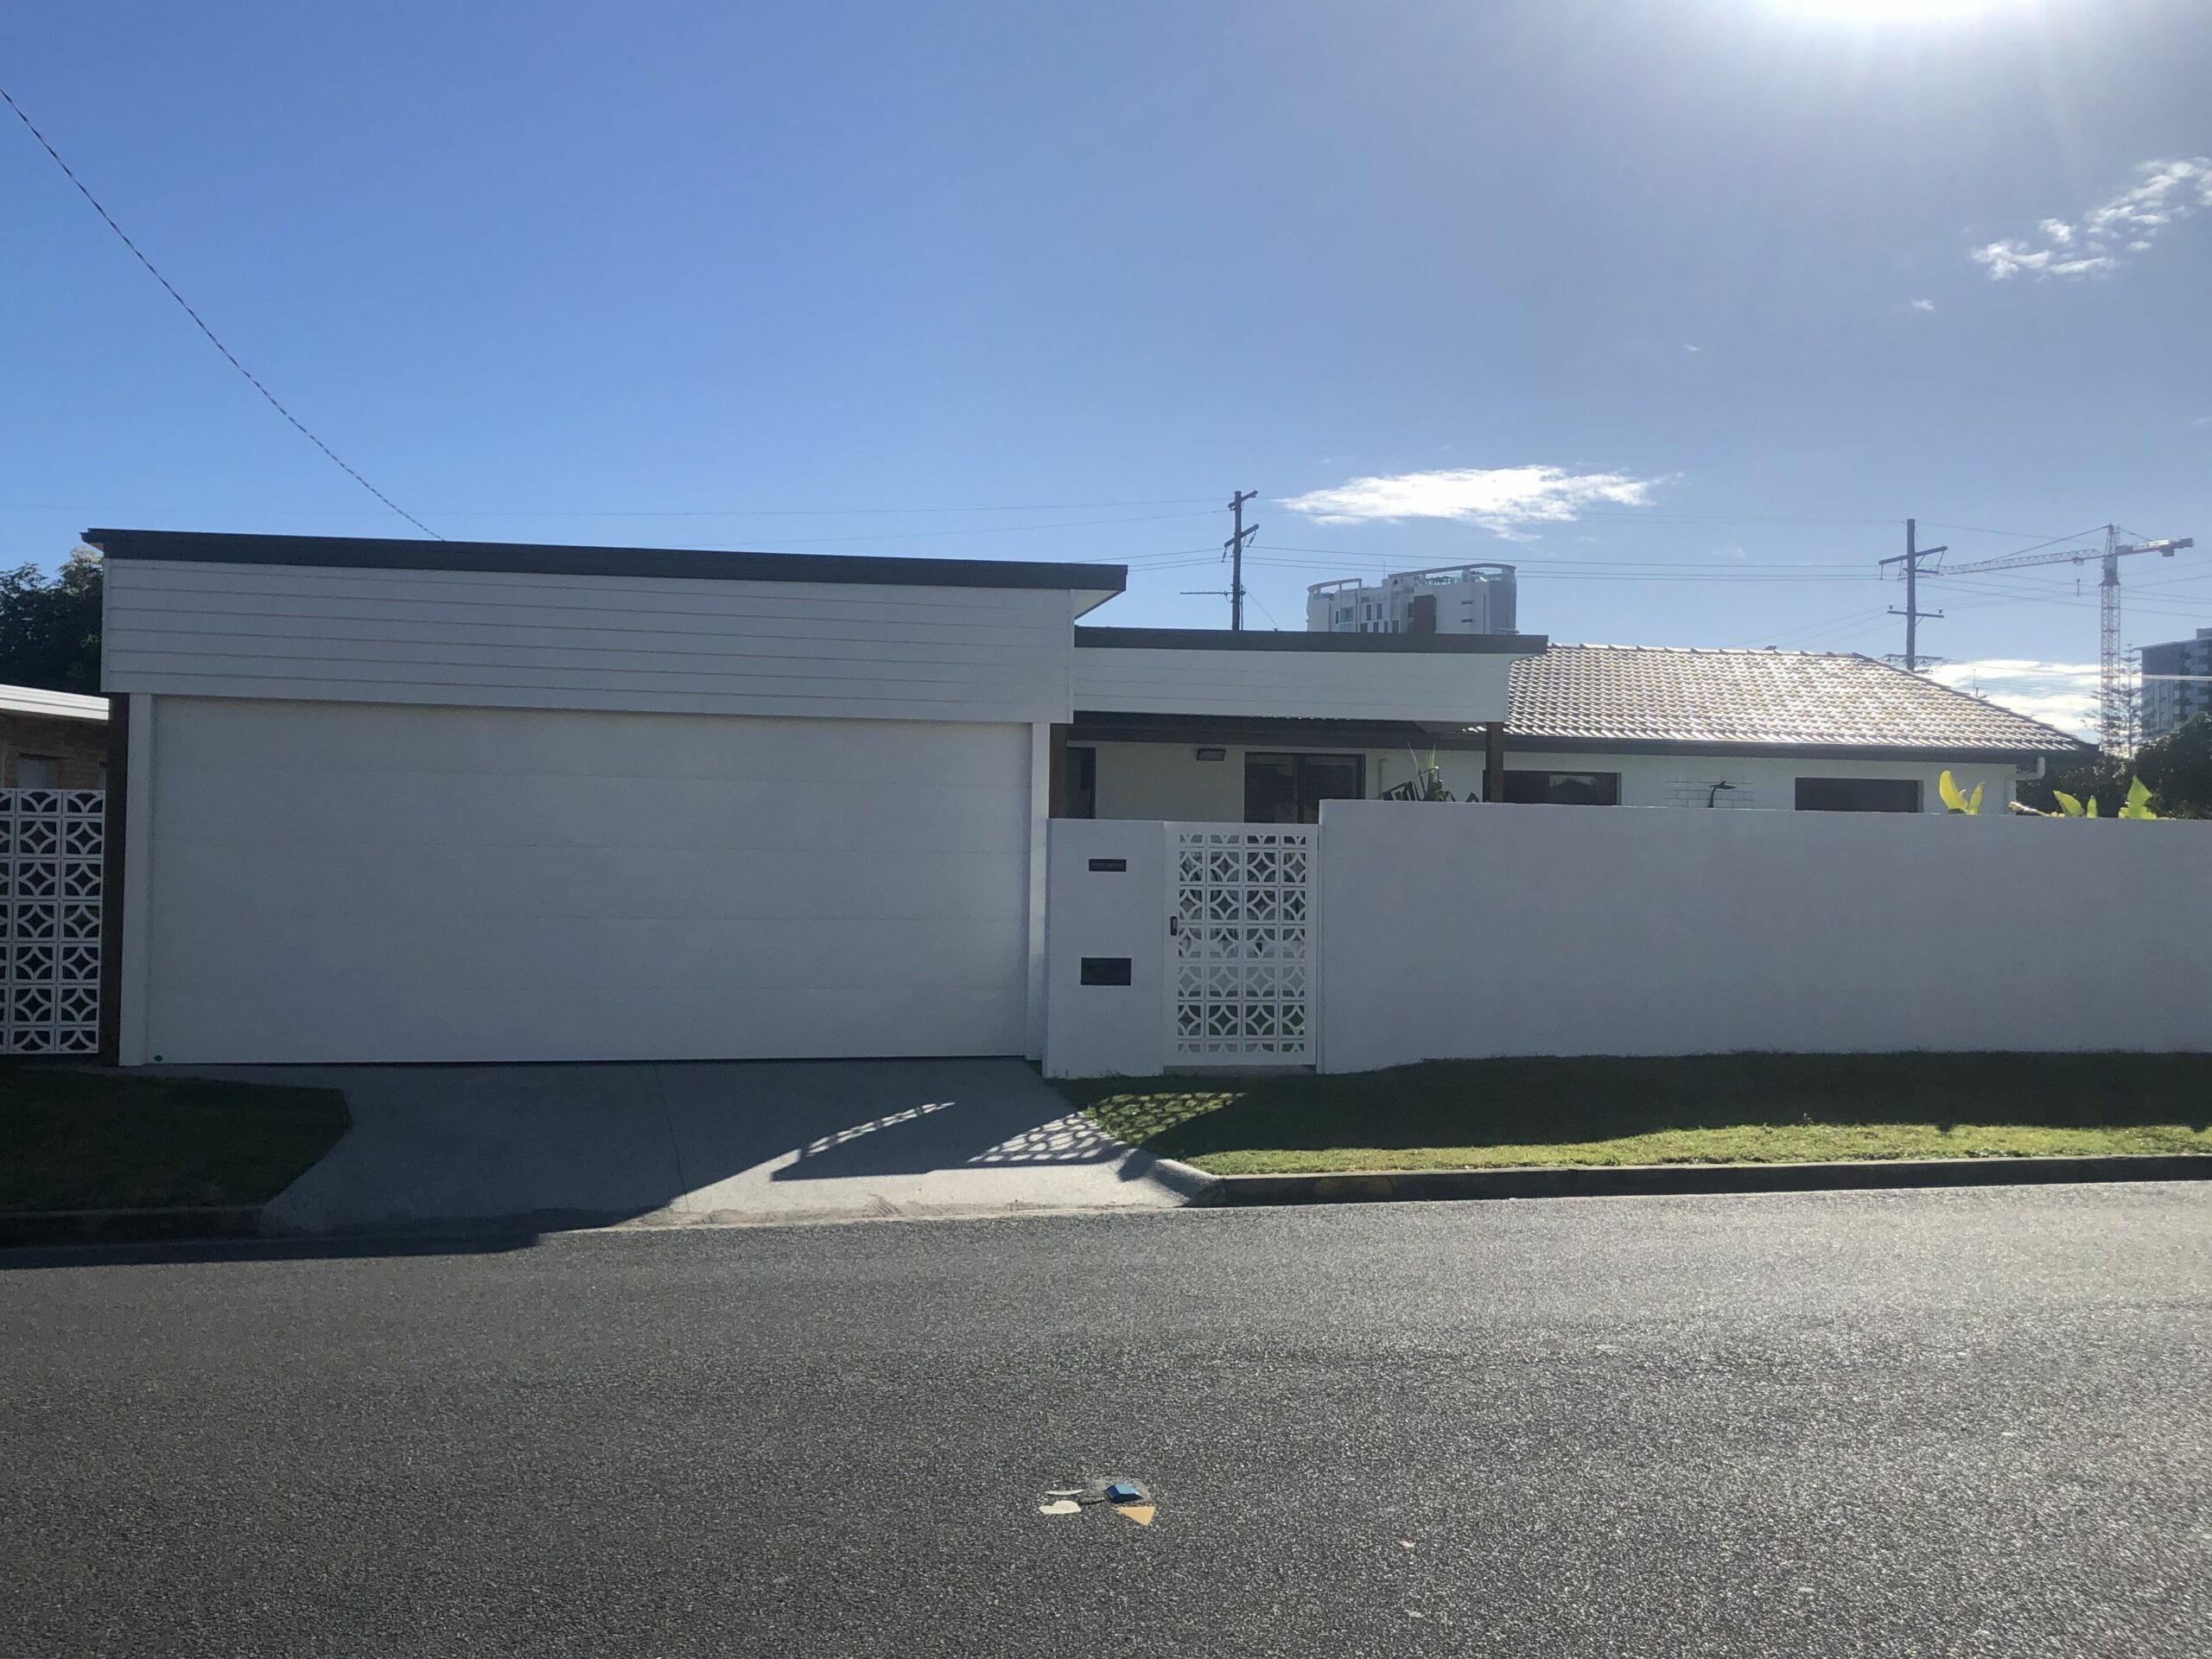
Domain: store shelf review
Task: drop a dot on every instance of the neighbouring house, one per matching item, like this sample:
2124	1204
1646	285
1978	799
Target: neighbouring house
1596	725
436	801
52	740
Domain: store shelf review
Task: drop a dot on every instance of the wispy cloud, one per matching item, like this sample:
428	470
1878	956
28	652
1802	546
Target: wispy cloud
1920	305
1690	348
1502	499
2098	241
2063	695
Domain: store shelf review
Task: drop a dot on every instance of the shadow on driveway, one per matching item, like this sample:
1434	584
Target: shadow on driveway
542	1147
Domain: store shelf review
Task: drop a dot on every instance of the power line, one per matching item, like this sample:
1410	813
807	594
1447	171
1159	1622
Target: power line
230	356
1546	563
2016	535
981	529
1825	626
2052	541
1543	573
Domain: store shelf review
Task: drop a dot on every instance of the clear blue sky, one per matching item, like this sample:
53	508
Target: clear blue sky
543	271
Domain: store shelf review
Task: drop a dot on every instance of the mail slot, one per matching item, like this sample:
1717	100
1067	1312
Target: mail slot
1110	865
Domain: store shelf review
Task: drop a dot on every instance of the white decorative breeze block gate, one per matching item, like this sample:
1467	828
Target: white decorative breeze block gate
51	841
1241	960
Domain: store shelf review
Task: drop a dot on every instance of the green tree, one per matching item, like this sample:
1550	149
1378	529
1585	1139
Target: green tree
2091	776
2178	768
50	627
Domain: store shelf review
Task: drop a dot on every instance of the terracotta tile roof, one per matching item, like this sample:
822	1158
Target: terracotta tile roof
1650	694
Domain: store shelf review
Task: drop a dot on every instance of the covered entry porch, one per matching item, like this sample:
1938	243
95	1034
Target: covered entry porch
1222	770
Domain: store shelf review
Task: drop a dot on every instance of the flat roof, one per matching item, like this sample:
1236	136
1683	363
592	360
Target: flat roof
1385	644
53	705
546	559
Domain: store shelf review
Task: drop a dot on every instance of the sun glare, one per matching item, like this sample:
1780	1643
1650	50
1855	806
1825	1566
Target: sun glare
1893	10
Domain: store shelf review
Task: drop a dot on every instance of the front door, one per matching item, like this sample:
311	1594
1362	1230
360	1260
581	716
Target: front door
1290	788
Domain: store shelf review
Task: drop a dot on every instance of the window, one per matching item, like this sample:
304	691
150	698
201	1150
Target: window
37	771
1079	783
1858	795
1290	788
1565	788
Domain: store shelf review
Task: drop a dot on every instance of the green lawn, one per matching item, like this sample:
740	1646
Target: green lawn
95	1141
1714	1109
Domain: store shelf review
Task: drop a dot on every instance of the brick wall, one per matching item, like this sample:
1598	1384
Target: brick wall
80	746
1701	792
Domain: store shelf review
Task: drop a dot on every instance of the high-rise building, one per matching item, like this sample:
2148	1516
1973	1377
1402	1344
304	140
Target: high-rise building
1451	598
2177	683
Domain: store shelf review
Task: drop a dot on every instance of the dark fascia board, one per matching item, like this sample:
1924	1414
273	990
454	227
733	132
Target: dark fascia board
1467	645
533	558
1100	725
1253	731
1526	742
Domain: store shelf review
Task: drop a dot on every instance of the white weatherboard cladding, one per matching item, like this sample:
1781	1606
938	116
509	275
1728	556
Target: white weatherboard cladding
1464	687
334	882
677	646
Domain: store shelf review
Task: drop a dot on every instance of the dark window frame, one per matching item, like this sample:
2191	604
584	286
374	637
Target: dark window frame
1079	781
1868	793
1300	759
1549	792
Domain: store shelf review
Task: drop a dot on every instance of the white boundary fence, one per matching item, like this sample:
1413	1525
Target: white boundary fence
51	844
1448	931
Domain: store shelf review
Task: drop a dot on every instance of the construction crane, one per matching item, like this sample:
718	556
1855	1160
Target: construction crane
2112	697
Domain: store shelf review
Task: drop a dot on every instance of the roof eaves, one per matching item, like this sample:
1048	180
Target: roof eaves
534	558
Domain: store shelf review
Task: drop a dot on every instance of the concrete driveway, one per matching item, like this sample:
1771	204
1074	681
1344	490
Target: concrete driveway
664	1145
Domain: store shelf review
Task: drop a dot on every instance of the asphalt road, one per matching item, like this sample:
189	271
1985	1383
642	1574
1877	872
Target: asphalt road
1912	1423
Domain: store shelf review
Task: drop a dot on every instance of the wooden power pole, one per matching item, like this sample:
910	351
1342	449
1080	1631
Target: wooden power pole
1234	548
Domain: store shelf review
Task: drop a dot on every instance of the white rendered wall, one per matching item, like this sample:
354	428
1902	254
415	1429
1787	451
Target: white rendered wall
352	881
1168	780
1556	930
1760	782
1106	1030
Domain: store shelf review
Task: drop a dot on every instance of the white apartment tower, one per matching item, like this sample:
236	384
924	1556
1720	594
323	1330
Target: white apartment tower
1449	599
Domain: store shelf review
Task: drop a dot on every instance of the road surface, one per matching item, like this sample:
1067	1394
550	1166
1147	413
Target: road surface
1910	1423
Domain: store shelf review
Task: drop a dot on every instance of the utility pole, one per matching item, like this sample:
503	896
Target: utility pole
1234	548
1914	553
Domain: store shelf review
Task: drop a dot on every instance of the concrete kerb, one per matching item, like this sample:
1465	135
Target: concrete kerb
1628	1180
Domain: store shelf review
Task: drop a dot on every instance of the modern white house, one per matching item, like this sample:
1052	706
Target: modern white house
432	801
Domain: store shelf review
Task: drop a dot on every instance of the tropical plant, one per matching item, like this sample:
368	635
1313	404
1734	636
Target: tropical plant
1954	801
2137	805
1426	785
2072	806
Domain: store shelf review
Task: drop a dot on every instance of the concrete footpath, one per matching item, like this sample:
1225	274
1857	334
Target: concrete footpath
674	1144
